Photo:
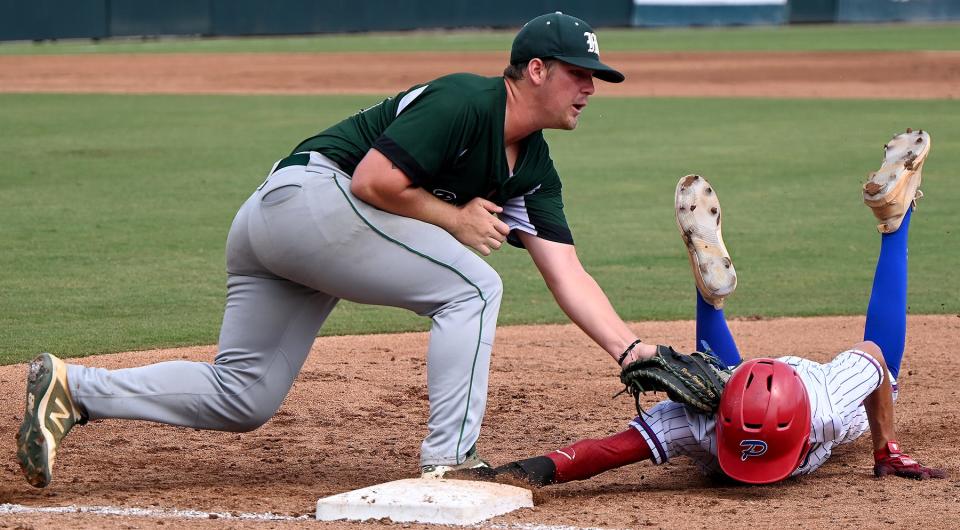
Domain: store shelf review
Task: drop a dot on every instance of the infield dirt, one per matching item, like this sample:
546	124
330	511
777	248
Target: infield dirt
356	413
894	75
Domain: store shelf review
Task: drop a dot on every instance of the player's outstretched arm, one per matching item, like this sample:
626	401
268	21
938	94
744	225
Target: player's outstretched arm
582	299
888	457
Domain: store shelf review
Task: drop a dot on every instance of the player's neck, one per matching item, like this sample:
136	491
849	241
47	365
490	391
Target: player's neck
520	116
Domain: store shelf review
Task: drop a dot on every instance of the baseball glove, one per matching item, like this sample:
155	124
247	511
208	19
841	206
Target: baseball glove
696	380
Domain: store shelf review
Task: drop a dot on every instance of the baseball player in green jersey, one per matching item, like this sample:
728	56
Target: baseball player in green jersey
382	208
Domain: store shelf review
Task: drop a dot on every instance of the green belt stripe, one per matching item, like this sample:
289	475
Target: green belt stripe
299	159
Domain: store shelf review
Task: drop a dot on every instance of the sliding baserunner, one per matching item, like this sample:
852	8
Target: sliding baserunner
777	417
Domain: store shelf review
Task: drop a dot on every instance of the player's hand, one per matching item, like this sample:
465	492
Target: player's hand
477	227
890	461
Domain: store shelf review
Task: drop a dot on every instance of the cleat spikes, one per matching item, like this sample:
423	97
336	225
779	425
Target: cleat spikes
712	268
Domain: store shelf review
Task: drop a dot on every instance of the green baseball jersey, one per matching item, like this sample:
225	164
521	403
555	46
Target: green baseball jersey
447	137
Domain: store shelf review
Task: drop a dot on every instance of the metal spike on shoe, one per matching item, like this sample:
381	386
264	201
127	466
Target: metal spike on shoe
892	189
700	228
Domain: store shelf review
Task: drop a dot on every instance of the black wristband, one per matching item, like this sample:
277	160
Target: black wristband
627	351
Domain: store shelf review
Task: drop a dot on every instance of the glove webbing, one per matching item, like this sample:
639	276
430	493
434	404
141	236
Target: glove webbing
699	393
695	390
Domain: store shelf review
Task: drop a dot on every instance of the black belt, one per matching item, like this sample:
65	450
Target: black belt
299	159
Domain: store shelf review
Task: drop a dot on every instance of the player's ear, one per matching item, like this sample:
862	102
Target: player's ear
536	71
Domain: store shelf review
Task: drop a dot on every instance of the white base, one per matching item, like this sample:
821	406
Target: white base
440	501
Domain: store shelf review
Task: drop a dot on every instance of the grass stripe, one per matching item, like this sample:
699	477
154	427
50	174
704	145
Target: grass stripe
834	37
116	209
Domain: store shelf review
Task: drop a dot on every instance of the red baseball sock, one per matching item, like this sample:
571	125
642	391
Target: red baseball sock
587	458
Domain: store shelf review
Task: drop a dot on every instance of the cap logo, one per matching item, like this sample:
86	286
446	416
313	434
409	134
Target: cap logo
592	45
752	448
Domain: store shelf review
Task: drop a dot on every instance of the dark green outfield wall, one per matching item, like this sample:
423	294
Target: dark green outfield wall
819	11
52	19
311	16
57	19
708	15
49	19
897	10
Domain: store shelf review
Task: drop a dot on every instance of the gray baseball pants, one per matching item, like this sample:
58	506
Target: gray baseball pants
297	246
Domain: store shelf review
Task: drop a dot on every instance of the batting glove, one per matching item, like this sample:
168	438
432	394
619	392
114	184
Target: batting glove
890	461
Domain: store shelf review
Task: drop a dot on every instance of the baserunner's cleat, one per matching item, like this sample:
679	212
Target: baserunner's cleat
698	218
50	414
893	188
471	461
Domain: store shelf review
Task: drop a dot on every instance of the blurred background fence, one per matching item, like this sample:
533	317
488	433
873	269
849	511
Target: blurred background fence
97	19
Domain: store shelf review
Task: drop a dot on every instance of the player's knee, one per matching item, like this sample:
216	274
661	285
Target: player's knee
247	412
250	422
491	286
481	293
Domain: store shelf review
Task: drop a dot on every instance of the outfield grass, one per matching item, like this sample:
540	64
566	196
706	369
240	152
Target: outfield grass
876	37
115	210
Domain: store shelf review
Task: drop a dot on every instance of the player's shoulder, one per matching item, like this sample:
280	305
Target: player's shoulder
468	80
455	95
468	87
798	362
810	372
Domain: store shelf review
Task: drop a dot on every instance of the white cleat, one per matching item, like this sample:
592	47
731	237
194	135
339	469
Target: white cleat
893	188
698	218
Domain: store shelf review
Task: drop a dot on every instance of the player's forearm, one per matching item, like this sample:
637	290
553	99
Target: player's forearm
879	407
377	181
879	404
582	299
415	203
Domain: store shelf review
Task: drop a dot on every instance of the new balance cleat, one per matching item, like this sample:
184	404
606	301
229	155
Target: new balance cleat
698	218
50	414
893	188
471	461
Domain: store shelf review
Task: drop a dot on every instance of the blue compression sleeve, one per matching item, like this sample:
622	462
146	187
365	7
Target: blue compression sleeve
713	335
887	311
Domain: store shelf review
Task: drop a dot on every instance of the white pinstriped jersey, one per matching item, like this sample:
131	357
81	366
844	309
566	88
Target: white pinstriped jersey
836	391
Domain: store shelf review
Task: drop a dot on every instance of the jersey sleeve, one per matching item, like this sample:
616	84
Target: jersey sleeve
851	377
670	429
539	210
836	391
430	123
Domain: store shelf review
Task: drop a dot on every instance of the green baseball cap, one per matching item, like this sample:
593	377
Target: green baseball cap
565	38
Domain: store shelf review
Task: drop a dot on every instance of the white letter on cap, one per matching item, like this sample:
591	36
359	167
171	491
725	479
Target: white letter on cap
592	45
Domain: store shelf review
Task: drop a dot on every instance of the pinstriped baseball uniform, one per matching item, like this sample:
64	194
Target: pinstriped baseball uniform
836	390
302	242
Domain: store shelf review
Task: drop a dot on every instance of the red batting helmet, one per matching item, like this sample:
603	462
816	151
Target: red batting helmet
763	425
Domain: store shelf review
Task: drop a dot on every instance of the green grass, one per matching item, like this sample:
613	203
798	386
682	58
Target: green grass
115	210
882	37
